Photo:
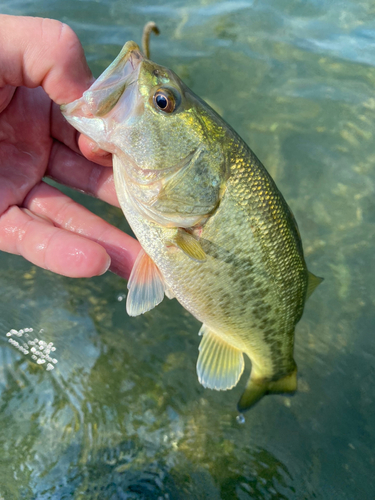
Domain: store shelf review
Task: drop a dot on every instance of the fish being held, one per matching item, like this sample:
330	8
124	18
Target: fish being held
216	232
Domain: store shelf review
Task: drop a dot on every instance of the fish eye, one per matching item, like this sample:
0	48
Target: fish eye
165	100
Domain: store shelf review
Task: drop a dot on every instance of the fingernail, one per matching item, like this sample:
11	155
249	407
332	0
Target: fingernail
106	266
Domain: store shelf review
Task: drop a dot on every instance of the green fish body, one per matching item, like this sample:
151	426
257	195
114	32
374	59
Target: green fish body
216	232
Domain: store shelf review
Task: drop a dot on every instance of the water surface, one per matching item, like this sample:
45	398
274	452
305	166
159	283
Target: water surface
121	413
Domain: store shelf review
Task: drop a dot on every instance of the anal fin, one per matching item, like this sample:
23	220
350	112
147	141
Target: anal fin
257	388
219	365
146	286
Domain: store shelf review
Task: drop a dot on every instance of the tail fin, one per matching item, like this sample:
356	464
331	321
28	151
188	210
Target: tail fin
257	388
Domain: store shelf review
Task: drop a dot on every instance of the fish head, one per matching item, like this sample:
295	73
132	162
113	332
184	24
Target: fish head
169	142
110	101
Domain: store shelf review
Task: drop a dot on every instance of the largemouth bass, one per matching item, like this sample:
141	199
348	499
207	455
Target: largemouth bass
216	232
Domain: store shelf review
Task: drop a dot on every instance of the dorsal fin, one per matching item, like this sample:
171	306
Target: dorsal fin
312	282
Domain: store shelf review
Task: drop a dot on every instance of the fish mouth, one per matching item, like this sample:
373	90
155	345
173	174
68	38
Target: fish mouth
115	83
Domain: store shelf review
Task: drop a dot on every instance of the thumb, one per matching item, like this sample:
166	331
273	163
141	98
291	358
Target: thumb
36	51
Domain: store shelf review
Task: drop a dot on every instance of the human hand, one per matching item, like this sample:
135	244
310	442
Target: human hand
42	65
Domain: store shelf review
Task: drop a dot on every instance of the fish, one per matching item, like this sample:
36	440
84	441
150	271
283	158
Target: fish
216	233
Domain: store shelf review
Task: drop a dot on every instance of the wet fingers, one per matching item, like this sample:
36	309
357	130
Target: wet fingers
40	242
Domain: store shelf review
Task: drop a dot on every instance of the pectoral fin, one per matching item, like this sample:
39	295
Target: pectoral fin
189	245
257	388
219	365
146	286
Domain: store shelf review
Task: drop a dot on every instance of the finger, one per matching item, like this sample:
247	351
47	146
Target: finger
44	200
49	247
93	153
44	52
6	94
73	170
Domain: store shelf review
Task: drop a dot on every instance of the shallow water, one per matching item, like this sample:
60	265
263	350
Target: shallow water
121	413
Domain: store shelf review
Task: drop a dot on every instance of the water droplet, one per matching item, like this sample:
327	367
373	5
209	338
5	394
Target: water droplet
121	297
240	419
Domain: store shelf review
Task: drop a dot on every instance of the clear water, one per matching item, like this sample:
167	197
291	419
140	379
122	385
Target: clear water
121	415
